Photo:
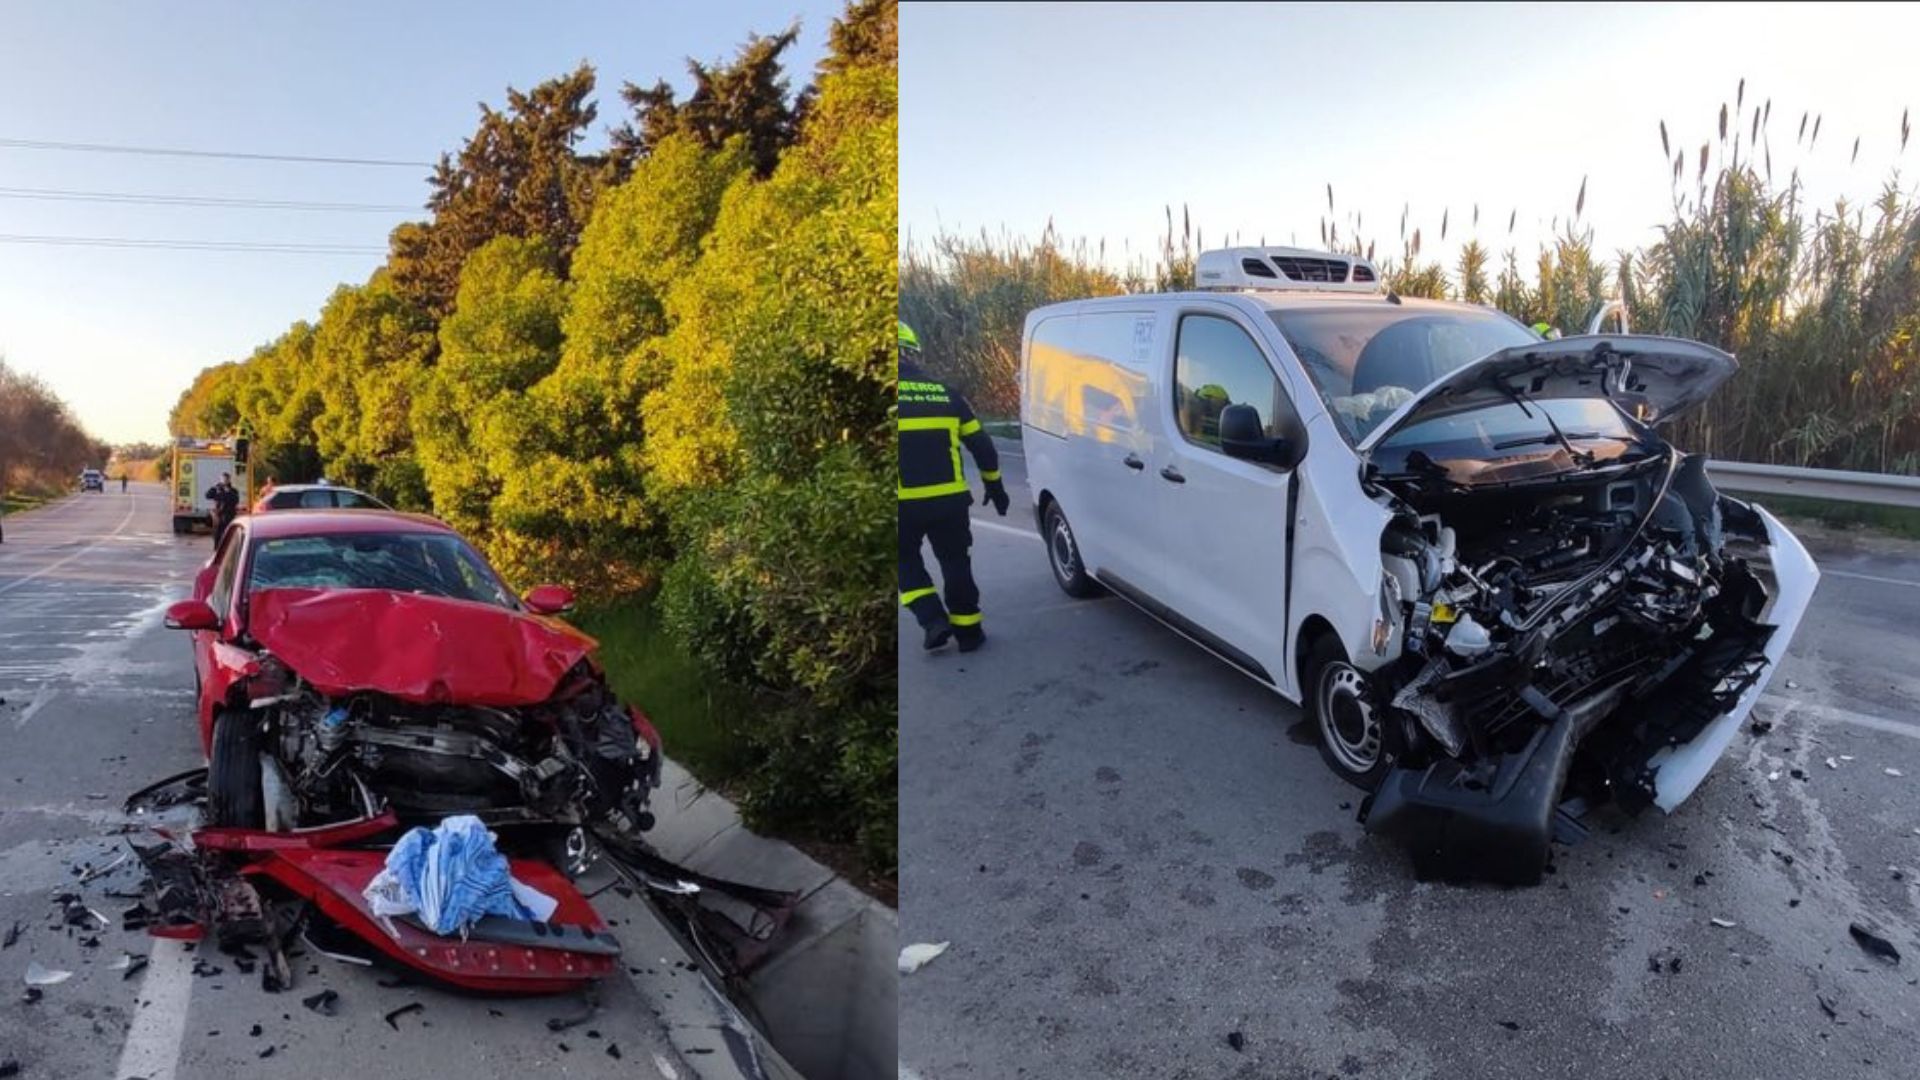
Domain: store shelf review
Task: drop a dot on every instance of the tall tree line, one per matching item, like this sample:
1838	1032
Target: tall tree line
665	368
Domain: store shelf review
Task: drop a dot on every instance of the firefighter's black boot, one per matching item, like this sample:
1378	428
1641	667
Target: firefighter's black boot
970	637
939	632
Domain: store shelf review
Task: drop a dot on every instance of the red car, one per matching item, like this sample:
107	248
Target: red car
349	661
364	670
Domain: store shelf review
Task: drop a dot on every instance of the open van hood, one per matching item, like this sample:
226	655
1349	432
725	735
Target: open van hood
1653	378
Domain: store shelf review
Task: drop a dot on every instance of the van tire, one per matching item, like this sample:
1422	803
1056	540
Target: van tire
1354	733
234	796
1063	555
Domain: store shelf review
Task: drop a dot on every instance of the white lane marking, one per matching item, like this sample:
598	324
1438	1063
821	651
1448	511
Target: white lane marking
42	697
88	550
995	526
159	1027
1844	716
1870	577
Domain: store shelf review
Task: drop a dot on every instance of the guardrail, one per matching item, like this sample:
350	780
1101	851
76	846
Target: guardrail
1839	485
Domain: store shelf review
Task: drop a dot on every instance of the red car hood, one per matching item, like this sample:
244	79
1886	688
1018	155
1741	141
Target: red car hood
423	649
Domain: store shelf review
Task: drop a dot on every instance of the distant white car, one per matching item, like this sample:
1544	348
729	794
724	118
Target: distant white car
1463	549
93	480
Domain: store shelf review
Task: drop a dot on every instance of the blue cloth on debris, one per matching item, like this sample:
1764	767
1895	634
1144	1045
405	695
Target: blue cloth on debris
454	875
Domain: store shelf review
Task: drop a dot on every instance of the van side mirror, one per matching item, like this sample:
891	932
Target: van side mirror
1243	436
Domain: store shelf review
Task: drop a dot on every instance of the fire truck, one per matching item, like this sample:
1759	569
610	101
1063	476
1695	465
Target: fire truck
197	465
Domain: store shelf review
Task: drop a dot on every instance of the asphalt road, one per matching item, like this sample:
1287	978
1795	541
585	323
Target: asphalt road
98	701
1136	854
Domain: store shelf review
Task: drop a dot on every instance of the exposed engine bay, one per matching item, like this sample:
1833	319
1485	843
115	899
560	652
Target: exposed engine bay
1556	637
580	758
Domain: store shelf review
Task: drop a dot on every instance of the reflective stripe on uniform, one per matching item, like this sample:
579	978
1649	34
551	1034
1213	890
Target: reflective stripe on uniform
907	598
950	425
991	474
964	620
969	427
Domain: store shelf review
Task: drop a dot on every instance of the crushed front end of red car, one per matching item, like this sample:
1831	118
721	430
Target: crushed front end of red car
371	711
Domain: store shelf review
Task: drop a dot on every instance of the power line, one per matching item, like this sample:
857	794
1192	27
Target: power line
105	148
290	247
222	202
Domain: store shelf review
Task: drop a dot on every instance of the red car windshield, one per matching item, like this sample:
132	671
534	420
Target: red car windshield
429	564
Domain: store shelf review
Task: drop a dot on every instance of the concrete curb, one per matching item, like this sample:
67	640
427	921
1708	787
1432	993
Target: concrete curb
828	993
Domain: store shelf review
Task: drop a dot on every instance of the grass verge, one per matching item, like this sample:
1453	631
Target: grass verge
694	714
15	501
689	708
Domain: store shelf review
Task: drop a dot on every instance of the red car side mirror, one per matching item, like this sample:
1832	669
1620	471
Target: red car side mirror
549	599
192	615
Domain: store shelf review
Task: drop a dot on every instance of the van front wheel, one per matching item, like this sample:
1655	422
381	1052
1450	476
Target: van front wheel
1354	734
1063	554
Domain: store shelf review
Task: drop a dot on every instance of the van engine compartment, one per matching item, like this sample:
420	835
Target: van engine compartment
1557	637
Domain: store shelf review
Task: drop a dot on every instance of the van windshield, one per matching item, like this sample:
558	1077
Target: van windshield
1366	361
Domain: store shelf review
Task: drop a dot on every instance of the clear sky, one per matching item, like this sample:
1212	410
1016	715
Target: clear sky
120	333
1098	117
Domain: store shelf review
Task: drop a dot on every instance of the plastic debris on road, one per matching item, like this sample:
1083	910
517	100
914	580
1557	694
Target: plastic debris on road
452	875
1874	945
915	957
38	975
1724	924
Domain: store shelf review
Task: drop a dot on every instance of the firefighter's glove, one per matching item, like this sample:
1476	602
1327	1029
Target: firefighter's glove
997	496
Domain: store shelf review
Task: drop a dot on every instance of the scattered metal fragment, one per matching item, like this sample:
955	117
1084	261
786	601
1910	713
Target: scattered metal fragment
39	975
1832	764
13	935
32	995
1237	1041
613	1051
100	871
139	965
1875	945
254	1032
326	1002
1509	1025
267	1053
1893	772
1724	924
393	1017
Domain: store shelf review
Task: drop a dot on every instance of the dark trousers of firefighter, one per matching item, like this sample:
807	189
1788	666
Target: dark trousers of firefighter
948	527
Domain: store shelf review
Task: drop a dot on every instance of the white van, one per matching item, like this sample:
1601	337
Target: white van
1464	550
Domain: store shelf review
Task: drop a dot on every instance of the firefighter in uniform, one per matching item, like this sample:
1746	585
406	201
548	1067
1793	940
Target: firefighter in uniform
934	423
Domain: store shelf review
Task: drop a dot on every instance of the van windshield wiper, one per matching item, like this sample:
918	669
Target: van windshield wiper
1521	400
1531	440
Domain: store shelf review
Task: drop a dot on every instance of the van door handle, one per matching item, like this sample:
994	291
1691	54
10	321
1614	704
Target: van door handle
1132	461
1173	474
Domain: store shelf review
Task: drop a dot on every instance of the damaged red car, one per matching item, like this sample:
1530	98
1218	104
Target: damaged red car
362	671
339	655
